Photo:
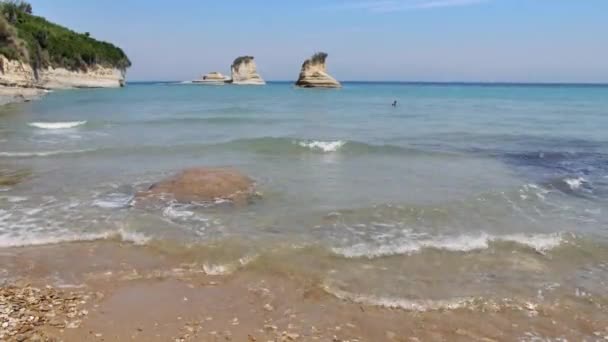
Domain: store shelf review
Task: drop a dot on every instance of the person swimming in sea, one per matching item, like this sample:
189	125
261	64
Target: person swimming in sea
395	103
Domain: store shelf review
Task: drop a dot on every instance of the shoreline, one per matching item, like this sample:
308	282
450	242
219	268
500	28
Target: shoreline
13	95
130	292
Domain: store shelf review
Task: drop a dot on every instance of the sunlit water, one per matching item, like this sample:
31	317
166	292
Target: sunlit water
460	193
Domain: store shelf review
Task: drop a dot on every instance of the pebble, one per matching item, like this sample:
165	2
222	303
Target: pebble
25	310
269	327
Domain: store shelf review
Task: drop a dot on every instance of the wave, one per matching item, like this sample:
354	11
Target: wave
575	183
426	305
42	153
57	125
25	240
14	199
569	172
113	201
216	120
228	268
284	145
324	146
265	145
541	243
420	305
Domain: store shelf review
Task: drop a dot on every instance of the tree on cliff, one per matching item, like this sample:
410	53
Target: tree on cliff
35	40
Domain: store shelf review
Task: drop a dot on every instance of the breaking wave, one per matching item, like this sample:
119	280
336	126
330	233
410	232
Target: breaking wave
324	146
541	243
57	125
419	305
575	183
228	268
41	153
24	240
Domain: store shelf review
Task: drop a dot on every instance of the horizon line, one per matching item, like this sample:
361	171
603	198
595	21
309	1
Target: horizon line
603	83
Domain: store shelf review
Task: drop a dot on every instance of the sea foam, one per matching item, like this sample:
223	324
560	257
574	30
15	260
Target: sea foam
228	268
324	146
25	239
40	153
463	243
575	183
57	125
420	305
113	201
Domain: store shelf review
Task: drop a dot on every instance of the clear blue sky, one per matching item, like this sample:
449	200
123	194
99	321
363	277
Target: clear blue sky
428	40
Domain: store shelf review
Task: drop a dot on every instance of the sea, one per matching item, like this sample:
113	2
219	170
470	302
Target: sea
462	195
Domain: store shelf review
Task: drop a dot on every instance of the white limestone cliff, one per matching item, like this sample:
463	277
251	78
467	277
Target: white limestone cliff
20	82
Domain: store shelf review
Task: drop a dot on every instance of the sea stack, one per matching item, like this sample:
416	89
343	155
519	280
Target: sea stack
244	72
314	73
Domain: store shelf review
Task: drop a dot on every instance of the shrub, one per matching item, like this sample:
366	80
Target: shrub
49	45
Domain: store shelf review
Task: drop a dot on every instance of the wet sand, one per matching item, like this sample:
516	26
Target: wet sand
137	293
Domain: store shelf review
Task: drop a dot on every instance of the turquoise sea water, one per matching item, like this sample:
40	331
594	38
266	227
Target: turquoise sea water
460	191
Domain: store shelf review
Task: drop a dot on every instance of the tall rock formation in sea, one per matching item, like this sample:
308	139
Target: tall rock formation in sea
314	73
244	72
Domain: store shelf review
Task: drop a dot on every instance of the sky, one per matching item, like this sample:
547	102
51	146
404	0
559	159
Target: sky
367	40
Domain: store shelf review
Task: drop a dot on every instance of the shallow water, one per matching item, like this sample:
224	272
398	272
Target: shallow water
461	194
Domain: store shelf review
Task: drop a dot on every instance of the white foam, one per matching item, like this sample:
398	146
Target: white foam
40	153
462	243
25	239
14	199
57	125
176	213
575	183
113	201
324	146
420	305
229	268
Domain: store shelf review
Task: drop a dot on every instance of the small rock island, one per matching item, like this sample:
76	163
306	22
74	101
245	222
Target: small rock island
244	72
212	78
314	73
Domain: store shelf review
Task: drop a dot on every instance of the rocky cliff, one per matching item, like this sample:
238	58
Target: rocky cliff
38	55
20	82
244	72
15	73
314	73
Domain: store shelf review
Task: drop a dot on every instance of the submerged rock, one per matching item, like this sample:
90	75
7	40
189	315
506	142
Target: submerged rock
12	177
314	73
244	72
201	185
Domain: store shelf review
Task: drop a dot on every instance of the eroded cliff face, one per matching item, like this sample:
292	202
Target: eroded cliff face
18	74
314	73
94	77
19	82
244	72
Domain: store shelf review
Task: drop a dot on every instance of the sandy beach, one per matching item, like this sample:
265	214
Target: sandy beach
121	292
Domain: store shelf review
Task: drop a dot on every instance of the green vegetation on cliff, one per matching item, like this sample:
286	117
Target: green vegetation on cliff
33	39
